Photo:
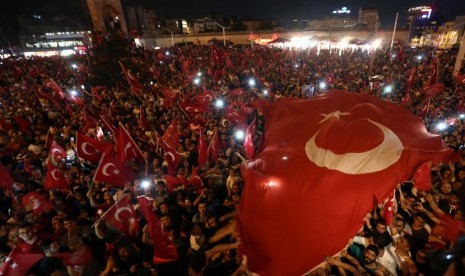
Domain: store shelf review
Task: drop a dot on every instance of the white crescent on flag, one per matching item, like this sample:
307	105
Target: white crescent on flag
85	151
128	146
106	167
377	159
119	210
53	172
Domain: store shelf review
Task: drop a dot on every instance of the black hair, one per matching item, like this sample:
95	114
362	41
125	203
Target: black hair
373	248
198	261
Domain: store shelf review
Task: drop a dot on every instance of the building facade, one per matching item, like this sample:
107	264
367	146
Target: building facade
107	16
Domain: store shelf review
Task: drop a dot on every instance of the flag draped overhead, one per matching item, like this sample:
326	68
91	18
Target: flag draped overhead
324	164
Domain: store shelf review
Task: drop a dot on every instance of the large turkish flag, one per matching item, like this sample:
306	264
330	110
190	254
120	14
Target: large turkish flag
325	163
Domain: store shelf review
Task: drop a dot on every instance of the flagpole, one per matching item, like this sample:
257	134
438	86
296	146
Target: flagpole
183	111
394	32
106	212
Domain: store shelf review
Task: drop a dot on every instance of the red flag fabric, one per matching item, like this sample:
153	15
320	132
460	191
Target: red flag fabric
134	83
235	117
336	141
96	92
112	171
59	94
121	216
204	97
49	140
171	135
410	80
192	107
164	248
18	264
432	90
91	149
172	182
108	125
171	156
23	124
214	147
78	258
195	180
143	120
248	141
55	179
422	177
126	148
6	181
400	52
36	202
389	208
237	92
57	153
434	71
202	148
460	79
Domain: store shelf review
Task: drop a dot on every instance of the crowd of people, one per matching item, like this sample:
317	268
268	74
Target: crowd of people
199	217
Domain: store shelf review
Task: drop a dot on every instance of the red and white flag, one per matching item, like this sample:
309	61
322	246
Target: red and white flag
52	85
459	78
91	149
164	248
389	208
55	178
171	156
134	83
202	151
337	141
171	135
248	141
122	216
36	202
18	264
214	147
126	148
57	153
112	171
108	125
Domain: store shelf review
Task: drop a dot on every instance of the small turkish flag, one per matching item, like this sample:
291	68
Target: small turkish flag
202	148
121	216
214	147
57	153
164	248
55	179
91	149
18	264
126	148
171	156
36	202
171	135
389	208
112	171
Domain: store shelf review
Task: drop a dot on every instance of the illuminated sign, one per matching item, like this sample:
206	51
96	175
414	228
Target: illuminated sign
425	13
343	10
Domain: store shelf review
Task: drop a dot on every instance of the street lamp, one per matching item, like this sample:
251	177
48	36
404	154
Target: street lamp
172	37
224	34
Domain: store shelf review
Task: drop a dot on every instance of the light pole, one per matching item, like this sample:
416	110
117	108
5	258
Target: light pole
172	37
224	34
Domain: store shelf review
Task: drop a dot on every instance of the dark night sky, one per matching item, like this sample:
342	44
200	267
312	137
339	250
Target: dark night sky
267	9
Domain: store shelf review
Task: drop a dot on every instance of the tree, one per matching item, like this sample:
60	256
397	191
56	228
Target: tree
104	57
